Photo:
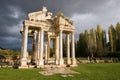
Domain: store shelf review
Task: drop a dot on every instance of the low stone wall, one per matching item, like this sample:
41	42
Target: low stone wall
8	62
98	60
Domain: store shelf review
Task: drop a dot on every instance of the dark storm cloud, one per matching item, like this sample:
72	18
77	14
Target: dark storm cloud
85	13
74	6
65	6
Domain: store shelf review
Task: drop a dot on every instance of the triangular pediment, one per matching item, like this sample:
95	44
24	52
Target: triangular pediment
62	20
40	15
44	19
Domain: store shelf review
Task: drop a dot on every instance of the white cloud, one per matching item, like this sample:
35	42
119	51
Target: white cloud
110	2
109	14
106	14
15	12
15	29
84	21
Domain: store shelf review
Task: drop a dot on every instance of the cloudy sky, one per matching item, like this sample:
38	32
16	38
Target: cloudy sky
86	14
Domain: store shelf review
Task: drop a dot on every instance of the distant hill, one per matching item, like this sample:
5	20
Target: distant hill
4	51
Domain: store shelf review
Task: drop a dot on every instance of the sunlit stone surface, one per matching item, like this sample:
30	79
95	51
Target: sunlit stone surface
42	28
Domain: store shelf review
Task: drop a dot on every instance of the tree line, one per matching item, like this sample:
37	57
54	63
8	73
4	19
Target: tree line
98	43
8	52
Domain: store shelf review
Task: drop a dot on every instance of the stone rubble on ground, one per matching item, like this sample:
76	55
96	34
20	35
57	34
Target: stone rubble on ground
66	72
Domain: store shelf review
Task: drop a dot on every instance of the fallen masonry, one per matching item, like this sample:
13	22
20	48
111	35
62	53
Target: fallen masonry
58	70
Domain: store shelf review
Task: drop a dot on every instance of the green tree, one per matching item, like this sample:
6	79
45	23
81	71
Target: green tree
83	43
64	48
118	36
78	46
76	54
99	41
112	38
104	42
92	43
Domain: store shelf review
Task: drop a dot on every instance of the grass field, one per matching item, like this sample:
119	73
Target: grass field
104	71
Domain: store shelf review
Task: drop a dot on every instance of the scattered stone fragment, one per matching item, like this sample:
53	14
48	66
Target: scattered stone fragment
64	76
57	70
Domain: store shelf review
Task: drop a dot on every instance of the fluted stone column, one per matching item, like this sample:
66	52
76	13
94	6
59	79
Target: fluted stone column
56	51
45	53
48	47
73	50
34	52
38	47
61	61
58	46
68	49
41	61
24	47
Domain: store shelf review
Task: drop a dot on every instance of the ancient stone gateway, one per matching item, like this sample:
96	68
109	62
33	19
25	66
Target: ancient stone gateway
42	27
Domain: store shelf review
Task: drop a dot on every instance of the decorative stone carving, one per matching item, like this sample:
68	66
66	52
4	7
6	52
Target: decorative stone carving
42	22
49	15
40	15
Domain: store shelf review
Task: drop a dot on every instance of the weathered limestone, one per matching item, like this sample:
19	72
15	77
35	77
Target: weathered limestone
34	47
46	53
61	62
42	22
38	47
41	61
57	50
24	47
48	47
68	49
73	50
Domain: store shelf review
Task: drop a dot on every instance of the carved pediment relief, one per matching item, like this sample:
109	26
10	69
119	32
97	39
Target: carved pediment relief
44	19
40	15
50	22
60	19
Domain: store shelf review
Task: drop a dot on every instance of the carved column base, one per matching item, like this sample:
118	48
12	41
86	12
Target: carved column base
61	62
56	62
41	63
68	61
74	62
23	63
33	62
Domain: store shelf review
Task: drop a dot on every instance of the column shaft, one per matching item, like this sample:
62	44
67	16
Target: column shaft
73	50
24	46
34	53
46	52
48	47
68	49
56	50
61	62
38	47
41	62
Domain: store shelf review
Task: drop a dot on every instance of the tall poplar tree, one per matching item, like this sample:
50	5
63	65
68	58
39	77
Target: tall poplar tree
118	36
92	43
99	41
112	38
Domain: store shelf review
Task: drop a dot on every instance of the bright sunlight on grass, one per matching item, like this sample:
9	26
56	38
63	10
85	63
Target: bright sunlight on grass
104	71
